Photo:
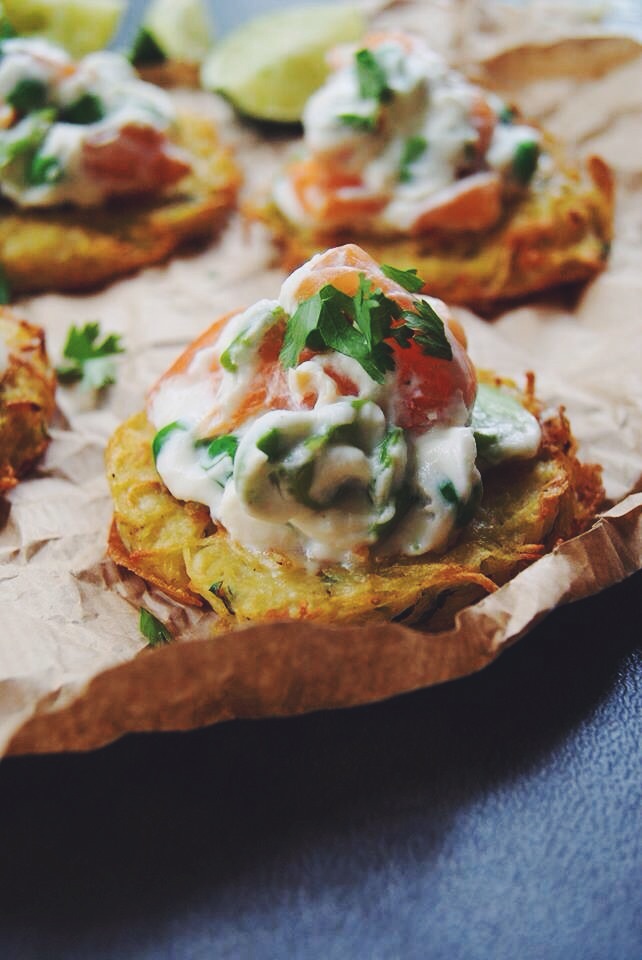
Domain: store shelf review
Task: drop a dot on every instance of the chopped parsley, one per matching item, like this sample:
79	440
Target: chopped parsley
25	137
464	509
407	279
273	445
88	108
7	31
43	169
371	76
145	51
5	289
90	360
525	160
507	114
359	327
360	121
413	148
155	632
160	438
28	95
222	594
225	445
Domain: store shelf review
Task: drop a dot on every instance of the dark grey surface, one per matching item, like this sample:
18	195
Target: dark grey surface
495	818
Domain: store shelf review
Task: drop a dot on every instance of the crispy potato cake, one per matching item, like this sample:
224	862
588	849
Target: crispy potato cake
65	248
527	507
27	386
558	233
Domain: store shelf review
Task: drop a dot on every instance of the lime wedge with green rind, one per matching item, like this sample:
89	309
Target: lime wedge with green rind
182	29
80	26
269	67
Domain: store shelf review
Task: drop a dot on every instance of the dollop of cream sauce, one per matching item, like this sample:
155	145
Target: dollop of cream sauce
327	483
126	101
429	103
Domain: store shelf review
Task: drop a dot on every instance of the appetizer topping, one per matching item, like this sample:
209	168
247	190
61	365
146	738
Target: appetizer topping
80	132
333	421
155	632
401	142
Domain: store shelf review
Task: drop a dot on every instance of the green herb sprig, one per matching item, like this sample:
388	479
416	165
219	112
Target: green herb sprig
361	326
90	360
155	632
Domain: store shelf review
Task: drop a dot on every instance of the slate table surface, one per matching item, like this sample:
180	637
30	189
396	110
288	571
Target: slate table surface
494	818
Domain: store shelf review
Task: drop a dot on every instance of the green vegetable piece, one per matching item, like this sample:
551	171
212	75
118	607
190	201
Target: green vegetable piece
161	437
43	169
465	509
225	445
90	360
507	114
407	279
28	95
25	137
525	161
155	632
360	121
430	332
88	108
373	82
273	445
502	427
145	51
383	447
5	289
7	30
218	590
413	148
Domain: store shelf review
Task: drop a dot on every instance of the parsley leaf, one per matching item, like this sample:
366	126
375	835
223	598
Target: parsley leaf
161	436
7	30
5	289
525	160
407	279
155	632
91	361
429	331
88	108
373	82
225	445
145	50
26	136
360	121
413	148
223	595
359	327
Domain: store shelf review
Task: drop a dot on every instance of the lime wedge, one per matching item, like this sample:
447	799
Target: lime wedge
78	25
182	29
269	66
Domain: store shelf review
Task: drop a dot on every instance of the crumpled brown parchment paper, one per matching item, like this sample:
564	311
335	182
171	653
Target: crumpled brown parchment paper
74	671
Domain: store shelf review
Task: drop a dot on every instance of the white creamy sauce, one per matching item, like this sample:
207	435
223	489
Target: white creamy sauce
125	99
431	104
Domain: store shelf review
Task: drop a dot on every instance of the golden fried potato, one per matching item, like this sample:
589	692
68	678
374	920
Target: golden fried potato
557	232
27	387
67	248
527	507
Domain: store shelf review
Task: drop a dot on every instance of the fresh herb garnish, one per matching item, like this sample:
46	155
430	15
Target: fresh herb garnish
155	632
160	438
28	95
407	279
359	327
7	30
360	121
429	331
5	289
525	160
373	82
43	169
413	148
86	109
145	50
464	509
26	136
272	445
225	445
91	361
506	114
218	590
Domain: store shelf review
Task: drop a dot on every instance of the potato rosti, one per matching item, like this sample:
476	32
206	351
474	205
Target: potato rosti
27	388
100	174
323	457
425	169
